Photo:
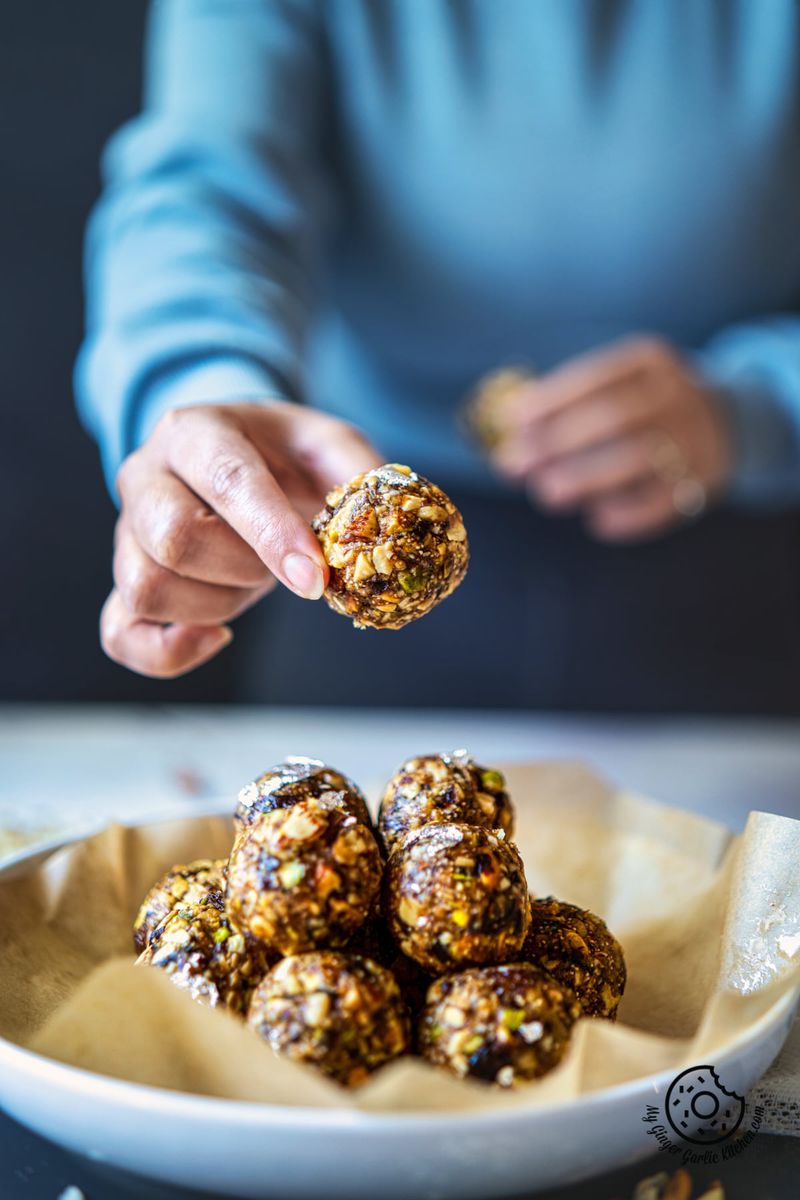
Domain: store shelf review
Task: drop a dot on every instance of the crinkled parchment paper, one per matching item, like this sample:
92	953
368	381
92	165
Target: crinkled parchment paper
710	925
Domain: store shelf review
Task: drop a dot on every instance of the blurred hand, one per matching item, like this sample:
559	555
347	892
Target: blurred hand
215	509
630	436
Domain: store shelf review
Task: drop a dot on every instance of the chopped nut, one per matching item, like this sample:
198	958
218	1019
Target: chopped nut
408	911
382	558
679	1187
363	568
433	512
318	1006
291	873
300	826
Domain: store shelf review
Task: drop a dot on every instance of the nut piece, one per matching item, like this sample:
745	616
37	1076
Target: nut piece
443	788
202	953
340	1013
395	545
182	886
304	877
296	778
455	896
500	1024
578	949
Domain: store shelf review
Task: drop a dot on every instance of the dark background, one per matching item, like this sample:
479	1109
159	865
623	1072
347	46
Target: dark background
70	73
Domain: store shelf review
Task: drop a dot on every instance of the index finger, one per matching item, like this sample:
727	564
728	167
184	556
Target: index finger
575	380
222	466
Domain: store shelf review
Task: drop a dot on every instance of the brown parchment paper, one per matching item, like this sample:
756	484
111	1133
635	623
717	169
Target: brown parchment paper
710	925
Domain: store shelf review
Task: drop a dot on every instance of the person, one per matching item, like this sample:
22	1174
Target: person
331	219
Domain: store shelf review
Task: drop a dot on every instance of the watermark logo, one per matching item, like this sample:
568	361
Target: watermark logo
699	1110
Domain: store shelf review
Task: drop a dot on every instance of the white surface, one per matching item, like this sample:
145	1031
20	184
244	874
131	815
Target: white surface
73	768
261	1151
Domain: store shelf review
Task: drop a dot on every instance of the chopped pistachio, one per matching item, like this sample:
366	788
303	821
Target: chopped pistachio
512	1018
222	934
460	918
412	581
493	779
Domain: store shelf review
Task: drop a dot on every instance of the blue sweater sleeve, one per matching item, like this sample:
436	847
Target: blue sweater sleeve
755	368
200	255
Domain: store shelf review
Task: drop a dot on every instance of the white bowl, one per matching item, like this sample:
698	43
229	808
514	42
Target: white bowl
259	1151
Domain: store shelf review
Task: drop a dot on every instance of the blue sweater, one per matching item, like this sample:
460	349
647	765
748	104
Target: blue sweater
369	203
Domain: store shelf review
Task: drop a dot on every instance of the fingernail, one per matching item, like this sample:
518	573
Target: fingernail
304	576
218	637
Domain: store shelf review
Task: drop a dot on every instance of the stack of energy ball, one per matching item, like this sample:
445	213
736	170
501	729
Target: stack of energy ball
346	945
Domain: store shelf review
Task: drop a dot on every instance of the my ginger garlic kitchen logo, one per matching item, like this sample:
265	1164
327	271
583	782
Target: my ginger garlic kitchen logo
701	1120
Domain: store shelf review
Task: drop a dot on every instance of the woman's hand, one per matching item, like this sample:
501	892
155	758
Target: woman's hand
629	435
215	509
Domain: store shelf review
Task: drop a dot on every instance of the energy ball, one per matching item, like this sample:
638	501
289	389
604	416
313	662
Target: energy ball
374	941
500	1024
485	410
455	896
395	544
304	877
183	885
337	1012
296	778
577	948
443	788
201	952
